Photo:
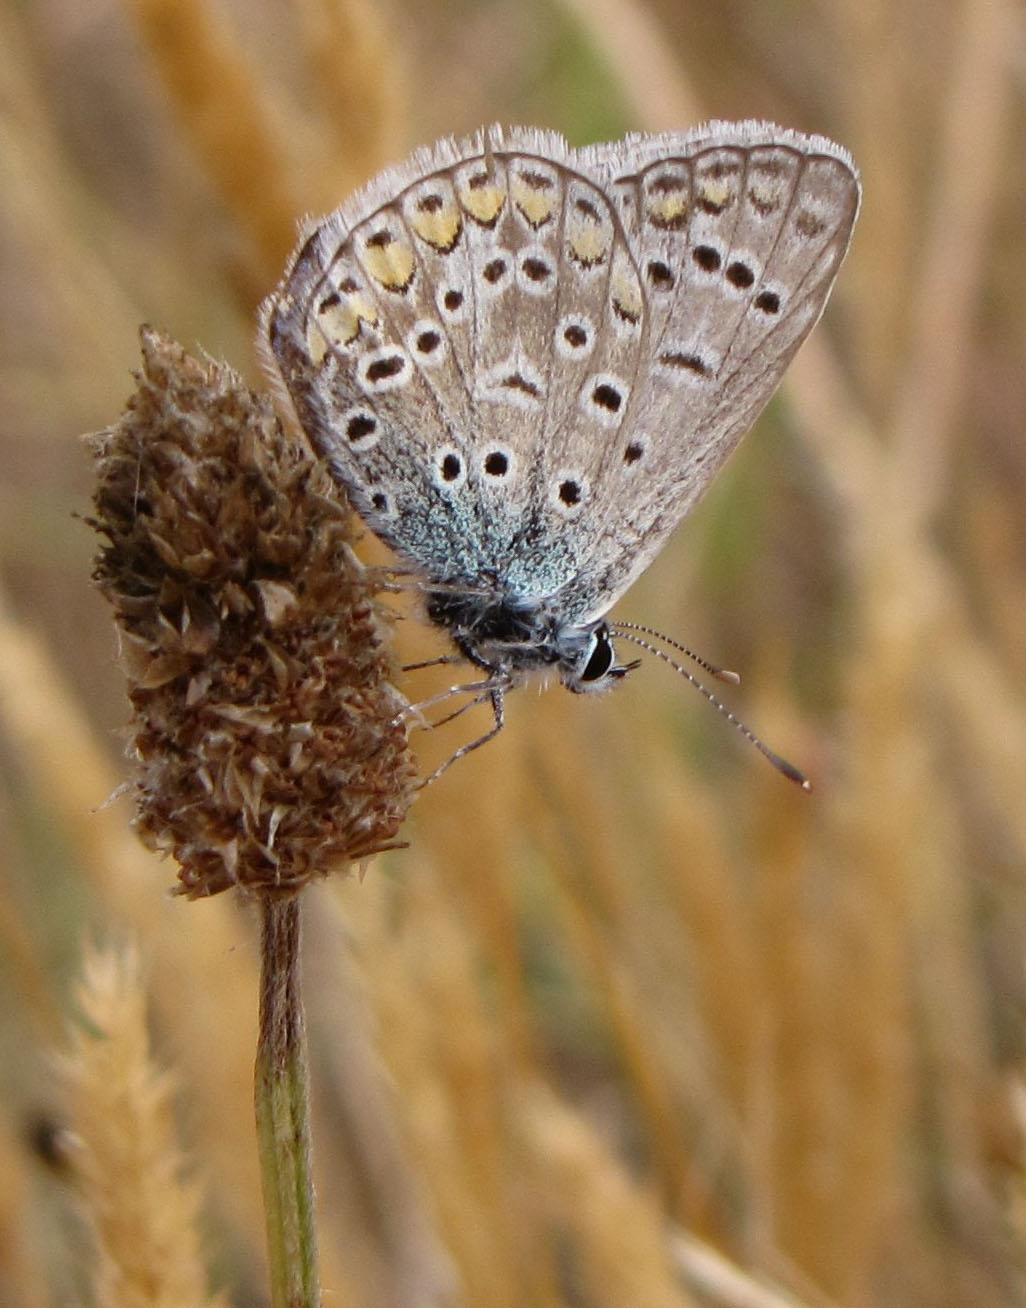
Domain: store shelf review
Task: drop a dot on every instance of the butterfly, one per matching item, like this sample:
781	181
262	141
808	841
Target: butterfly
526	362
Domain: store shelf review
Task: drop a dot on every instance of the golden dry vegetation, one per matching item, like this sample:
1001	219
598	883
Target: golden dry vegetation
631	1022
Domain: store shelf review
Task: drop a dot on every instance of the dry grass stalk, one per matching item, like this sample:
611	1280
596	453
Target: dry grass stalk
248	143
363	110
219	104
130	1169
613	1231
214	1047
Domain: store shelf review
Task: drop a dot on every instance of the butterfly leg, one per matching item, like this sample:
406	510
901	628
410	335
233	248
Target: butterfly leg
433	663
497	695
456	713
479	689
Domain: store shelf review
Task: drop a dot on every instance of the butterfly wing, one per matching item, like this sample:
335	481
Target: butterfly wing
460	342
526	363
738	231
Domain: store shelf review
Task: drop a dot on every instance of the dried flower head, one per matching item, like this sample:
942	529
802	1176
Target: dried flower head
265	719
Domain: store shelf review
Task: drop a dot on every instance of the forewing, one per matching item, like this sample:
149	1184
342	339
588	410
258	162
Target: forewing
738	232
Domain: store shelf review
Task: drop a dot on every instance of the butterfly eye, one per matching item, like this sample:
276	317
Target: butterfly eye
601	658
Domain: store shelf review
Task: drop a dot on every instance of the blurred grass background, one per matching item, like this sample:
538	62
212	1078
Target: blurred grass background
626	990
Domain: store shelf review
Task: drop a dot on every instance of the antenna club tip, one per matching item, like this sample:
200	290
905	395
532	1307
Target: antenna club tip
789	770
725	674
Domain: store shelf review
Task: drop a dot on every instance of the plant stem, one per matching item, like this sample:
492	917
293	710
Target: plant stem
283	1111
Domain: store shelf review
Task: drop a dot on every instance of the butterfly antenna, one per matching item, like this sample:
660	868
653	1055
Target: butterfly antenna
628	631
721	674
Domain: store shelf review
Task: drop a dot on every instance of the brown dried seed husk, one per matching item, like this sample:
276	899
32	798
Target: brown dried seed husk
265	716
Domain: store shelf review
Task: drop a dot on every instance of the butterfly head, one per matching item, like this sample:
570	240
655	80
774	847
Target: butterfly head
589	661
